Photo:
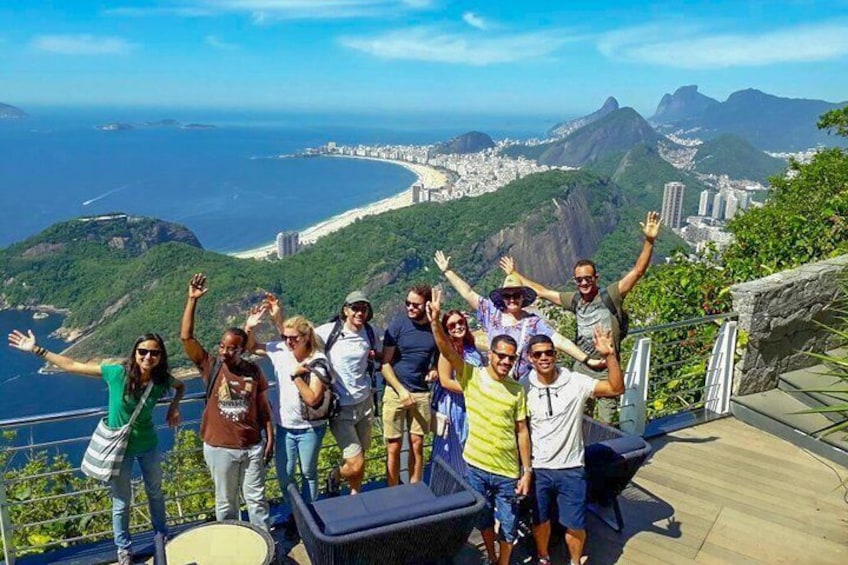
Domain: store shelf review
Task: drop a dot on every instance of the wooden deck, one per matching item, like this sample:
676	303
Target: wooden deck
721	492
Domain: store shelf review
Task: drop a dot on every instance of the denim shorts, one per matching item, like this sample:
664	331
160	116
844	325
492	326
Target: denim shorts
568	488
499	493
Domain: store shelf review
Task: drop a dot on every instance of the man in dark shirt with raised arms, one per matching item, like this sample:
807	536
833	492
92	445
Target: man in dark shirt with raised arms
409	356
237	410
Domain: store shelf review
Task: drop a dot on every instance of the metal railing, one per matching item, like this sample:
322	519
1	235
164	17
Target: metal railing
678	374
46	503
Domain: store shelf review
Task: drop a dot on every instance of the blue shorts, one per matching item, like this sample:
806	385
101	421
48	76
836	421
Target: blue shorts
499	493
568	488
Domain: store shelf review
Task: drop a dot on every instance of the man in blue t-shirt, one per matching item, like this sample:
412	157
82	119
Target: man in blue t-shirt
409	360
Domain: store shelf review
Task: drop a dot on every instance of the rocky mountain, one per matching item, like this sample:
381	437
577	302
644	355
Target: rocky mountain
618	131
564	129
470	142
9	112
686	103
768	122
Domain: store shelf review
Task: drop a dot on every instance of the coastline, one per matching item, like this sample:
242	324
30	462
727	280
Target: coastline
429	177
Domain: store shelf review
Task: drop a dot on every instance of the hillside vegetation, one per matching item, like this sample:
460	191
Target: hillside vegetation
116	293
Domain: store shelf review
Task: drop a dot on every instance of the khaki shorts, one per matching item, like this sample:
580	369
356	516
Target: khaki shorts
396	417
352	428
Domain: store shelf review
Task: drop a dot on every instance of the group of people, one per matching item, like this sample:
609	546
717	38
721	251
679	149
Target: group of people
509	419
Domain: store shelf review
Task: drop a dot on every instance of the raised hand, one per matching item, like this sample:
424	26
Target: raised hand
255	316
507	265
434	306
23	342
603	341
274	306
442	261
197	286
651	226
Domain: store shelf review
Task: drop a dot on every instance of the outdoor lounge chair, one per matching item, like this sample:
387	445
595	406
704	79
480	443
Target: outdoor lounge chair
414	523
612	458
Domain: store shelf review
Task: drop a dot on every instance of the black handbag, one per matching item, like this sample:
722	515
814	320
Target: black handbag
330	404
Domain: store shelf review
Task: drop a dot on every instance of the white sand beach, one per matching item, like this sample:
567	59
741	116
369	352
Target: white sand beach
428	176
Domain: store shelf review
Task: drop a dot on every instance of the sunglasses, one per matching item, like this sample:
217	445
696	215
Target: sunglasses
512	295
155	353
579	280
358	307
292	338
417	305
543	353
507	356
459	324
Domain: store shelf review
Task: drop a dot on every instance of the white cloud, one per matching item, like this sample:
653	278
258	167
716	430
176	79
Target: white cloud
216	42
82	44
674	46
434	45
474	20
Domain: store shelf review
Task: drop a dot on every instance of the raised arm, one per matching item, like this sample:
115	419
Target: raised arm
605	346
446	375
650	229
196	289
507	265
434	310
275	308
26	343
462	287
253	319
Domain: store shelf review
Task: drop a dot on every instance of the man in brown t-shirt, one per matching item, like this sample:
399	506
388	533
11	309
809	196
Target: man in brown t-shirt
237	410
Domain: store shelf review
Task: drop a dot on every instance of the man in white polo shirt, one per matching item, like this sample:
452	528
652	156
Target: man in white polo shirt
556	397
353	346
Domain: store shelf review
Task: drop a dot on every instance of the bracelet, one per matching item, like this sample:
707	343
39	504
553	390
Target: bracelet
586	359
40	351
295	376
445	272
527	470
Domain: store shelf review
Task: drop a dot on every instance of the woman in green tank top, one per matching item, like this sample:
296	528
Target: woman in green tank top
126	383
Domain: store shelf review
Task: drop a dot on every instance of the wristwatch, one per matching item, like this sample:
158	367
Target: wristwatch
294	376
527	470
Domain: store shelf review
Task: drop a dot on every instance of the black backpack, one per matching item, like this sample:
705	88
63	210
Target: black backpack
622	316
372	342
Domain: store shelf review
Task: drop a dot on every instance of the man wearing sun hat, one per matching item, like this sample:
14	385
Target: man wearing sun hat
352	346
504	313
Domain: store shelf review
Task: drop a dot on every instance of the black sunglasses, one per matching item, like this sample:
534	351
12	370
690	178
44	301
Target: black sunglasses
543	353
142	352
579	280
359	307
418	305
505	356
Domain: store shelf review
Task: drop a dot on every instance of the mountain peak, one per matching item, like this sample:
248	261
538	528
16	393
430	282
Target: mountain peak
686	103
564	129
469	142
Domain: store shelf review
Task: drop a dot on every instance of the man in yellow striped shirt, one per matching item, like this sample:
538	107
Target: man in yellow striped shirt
498	437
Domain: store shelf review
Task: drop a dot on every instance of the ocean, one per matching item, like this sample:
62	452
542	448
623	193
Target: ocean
218	182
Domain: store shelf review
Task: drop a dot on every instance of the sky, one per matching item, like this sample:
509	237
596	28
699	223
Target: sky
528	57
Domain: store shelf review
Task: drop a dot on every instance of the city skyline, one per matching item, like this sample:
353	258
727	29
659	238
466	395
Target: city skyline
548	58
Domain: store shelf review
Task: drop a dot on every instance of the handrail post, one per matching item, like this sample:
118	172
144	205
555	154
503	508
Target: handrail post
6	530
633	413
720	370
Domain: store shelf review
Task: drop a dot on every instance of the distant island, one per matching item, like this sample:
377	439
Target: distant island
9	112
166	123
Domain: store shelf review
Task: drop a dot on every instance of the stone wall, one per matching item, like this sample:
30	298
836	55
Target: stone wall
780	315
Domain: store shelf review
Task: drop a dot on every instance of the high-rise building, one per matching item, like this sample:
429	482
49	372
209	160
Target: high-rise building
672	205
288	243
731	207
705	203
718	206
